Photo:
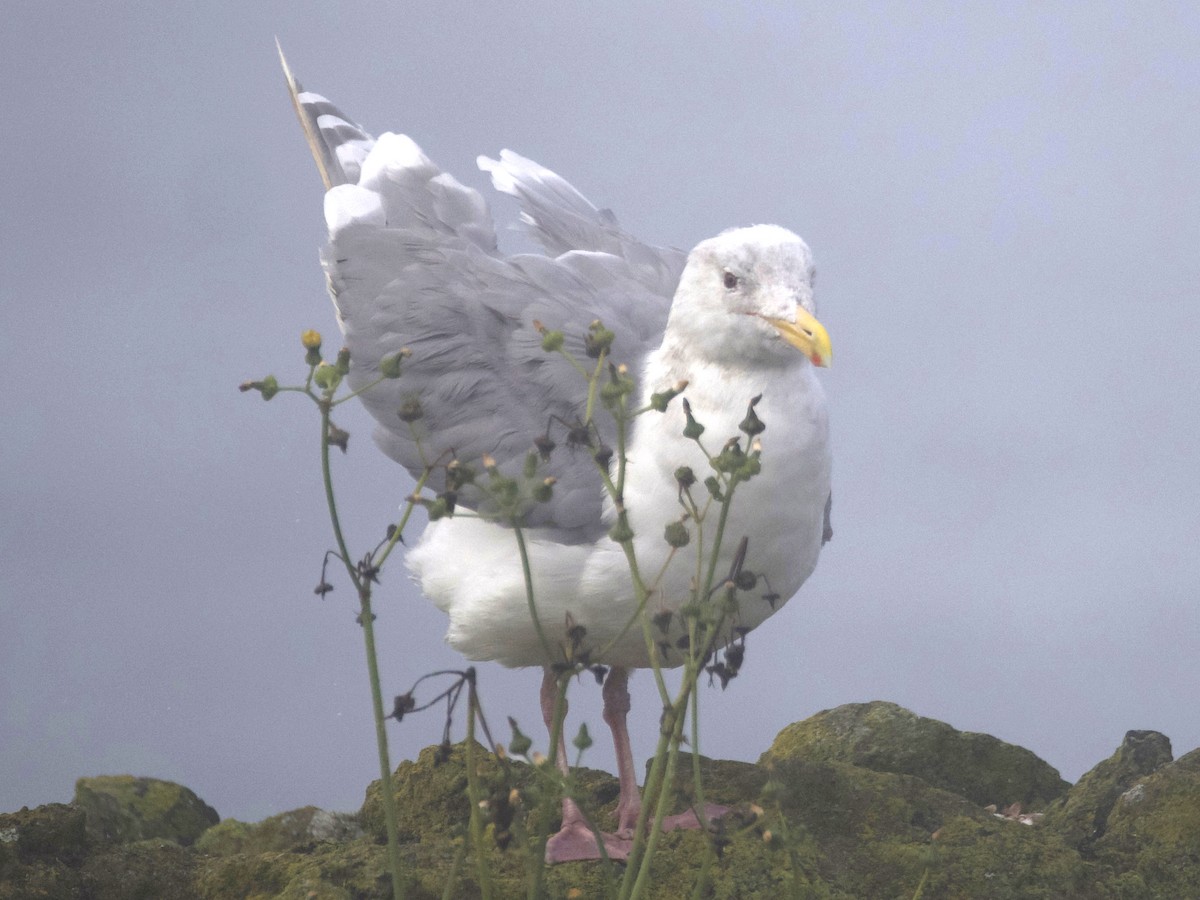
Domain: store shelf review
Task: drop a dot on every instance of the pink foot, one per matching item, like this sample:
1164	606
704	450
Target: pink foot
688	820
576	841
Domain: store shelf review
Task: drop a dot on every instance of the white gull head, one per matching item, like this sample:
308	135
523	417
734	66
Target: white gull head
737	296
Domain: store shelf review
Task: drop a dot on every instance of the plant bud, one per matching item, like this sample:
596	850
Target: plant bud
583	740
677	534
326	377
660	400
520	744
311	340
752	425
343	361
714	488
552	341
389	366
597	340
692	429
410	410
685	477
458	474
402	704
544	491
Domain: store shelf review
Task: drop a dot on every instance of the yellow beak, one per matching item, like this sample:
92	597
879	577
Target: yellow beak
807	335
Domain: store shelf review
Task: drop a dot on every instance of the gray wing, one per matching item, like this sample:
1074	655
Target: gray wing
412	262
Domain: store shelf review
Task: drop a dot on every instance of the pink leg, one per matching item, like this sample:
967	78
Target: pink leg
574	841
616	708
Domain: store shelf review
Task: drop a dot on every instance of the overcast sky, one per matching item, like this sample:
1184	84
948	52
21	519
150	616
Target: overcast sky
1002	201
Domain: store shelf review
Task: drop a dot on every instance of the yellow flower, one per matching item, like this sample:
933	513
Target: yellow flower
311	340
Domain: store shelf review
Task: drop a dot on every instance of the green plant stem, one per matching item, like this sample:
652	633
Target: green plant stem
593	380
399	877
481	862
699	803
657	789
699	891
366	619
361	390
455	866
537	887
720	535
408	510
622	426
527	572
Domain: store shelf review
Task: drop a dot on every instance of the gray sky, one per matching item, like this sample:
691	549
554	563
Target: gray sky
1002	203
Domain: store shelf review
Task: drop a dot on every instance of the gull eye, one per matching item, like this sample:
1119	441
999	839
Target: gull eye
731	280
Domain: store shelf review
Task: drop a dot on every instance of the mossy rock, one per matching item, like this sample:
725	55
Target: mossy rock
123	809
803	824
885	737
356	870
40	849
43	880
431	793
296	828
46	853
871	831
1153	832
56	831
726	782
1081	816
142	870
1001	859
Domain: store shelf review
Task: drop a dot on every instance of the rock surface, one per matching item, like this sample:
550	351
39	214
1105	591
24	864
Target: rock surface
885	737
1081	816
864	801
122	809
1152	832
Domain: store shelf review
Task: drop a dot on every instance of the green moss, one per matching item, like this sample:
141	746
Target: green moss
144	870
121	808
807	824
296	828
1153	830
726	782
1081	816
1003	860
885	737
55	831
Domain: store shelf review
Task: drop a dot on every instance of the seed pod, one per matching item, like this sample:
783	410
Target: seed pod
677	534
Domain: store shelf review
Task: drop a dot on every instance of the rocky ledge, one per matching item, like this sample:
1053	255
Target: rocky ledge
864	801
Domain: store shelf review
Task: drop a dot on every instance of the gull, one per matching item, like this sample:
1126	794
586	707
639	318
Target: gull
412	263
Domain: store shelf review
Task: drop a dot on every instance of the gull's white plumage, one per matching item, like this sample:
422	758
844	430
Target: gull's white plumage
412	261
782	511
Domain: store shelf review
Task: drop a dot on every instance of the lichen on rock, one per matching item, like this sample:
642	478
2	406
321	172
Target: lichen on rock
1081	816
122	809
885	737
1153	830
830	812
